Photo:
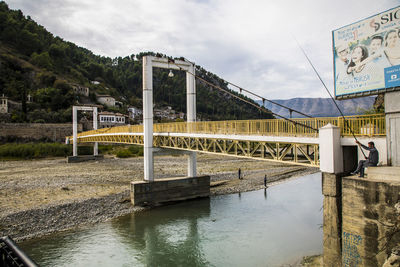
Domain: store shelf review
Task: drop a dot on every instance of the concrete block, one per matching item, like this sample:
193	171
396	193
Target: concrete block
385	173
330	150
76	159
171	189
331	184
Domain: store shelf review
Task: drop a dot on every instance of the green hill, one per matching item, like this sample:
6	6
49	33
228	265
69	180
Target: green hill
36	63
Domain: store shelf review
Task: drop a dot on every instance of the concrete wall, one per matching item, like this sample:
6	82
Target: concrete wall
36	131
392	111
361	217
332	216
171	189
370	220
380	144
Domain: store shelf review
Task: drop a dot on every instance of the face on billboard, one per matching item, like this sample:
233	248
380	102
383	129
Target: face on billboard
357	55
391	39
375	45
367	54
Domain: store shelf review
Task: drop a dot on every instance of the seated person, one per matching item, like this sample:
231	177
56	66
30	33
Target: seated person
372	159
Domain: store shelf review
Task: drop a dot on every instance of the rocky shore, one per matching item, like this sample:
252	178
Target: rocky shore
44	196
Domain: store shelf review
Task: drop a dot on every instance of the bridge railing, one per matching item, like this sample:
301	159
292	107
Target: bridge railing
367	125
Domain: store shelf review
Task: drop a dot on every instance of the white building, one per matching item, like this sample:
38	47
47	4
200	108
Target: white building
106	100
3	104
80	90
110	119
134	113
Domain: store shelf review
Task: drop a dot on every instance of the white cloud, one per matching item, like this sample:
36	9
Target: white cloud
249	43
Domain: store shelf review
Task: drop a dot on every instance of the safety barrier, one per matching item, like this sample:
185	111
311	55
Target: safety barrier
12	255
359	125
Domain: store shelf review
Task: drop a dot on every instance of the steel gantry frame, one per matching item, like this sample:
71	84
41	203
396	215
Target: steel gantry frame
148	63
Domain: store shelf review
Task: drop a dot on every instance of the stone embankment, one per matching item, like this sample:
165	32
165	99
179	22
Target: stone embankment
44	196
25	132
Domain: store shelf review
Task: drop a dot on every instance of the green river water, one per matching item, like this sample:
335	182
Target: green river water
261	228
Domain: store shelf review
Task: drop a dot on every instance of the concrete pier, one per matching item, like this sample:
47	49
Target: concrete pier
361	217
169	190
371	219
332	219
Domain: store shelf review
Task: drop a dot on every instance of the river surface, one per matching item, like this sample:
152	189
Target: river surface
261	228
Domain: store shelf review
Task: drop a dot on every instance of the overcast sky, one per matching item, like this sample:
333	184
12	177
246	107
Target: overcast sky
250	43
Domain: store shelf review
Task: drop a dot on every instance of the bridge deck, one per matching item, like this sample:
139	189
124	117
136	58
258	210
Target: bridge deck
277	140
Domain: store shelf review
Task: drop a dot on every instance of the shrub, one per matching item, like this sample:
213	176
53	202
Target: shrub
40	150
124	153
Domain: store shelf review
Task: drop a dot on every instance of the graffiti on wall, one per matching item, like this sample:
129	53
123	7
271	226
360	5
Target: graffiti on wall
350	255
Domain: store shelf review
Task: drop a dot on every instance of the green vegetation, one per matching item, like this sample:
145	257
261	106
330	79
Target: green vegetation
43	150
39	150
130	151
35	62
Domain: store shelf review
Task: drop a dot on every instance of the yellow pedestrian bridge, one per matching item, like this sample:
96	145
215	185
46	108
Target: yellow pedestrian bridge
279	140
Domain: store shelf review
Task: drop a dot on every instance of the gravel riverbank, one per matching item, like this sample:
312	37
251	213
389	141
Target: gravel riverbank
39	197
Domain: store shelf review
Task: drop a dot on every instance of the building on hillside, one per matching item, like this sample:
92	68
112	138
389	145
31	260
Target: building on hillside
8	106
135	113
3	104
80	90
167	114
119	103
29	98
106	100
110	119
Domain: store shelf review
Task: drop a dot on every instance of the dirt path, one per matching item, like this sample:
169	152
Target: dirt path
43	196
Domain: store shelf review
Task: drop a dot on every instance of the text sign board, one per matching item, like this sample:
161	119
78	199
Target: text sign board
367	55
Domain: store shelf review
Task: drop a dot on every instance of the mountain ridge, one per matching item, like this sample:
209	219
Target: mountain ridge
34	62
320	107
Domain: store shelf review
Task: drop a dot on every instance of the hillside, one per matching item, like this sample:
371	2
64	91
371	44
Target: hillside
321	107
34	62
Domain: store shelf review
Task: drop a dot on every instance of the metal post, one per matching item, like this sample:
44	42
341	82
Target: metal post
191	115
96	144
75	131
148	118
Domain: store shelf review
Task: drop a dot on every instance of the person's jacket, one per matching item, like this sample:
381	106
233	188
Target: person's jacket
373	157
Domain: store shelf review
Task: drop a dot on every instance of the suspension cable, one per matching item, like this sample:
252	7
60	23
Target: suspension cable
263	109
262	98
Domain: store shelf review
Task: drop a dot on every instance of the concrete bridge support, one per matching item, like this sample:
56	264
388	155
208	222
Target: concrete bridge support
150	192
331	165
191	115
361	215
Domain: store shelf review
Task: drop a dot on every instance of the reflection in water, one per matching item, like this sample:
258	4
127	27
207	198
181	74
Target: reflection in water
229	230
166	236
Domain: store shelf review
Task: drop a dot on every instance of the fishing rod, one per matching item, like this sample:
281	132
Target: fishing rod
334	101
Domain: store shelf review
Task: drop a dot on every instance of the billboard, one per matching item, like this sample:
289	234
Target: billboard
367	55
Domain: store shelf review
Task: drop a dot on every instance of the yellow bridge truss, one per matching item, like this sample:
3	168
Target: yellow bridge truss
234	138
295	153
